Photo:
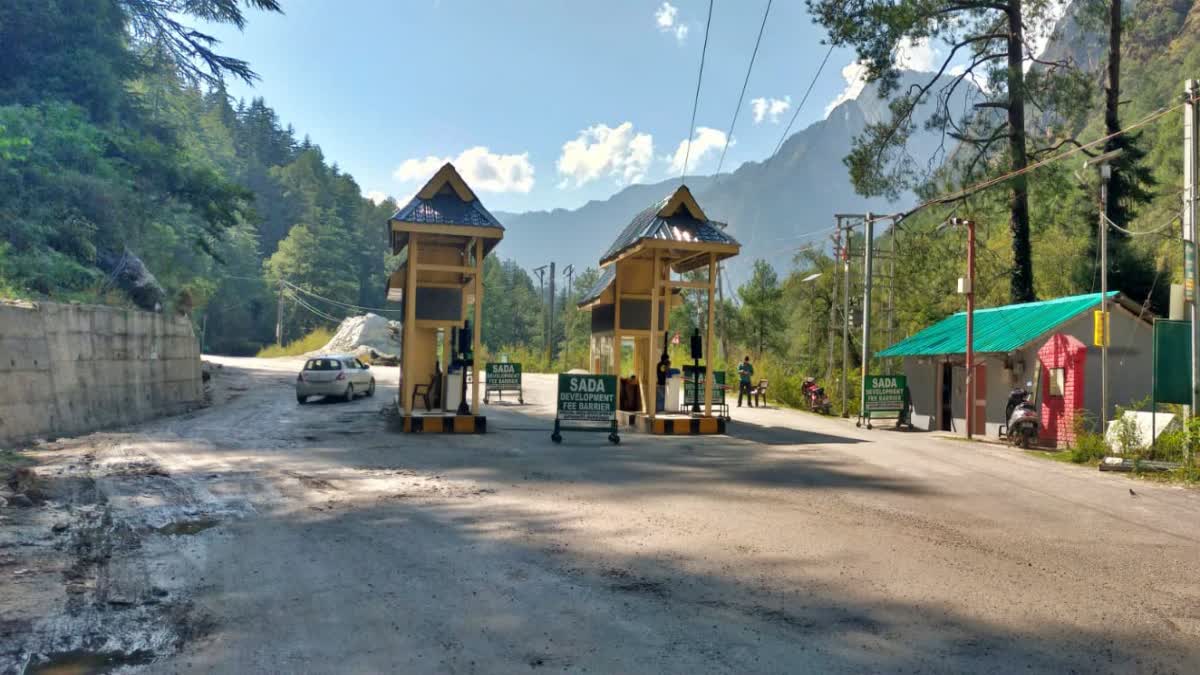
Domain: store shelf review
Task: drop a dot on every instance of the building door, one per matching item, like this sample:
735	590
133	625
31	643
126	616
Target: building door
946	418
981	400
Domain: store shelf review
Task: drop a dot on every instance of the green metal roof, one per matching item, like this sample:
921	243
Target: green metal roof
997	329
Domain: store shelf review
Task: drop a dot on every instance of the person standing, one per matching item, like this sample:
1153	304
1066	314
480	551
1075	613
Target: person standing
745	372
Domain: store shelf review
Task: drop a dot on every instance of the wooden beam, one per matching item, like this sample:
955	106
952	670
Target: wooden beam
699	246
651	370
460	269
410	327
448	230
477	325
617	330
708	341
702	285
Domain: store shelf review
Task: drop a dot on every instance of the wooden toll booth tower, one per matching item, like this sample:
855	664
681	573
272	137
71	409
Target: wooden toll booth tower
639	282
442	237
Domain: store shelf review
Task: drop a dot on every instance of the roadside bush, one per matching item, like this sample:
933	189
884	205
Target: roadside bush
318	338
1089	445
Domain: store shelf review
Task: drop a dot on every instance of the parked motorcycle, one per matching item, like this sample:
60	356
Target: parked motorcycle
1023	419
814	394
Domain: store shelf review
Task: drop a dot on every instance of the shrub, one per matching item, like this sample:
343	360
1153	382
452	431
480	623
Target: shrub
1089	446
312	342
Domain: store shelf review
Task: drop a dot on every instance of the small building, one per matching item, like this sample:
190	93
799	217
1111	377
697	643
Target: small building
641	275
1047	343
441	238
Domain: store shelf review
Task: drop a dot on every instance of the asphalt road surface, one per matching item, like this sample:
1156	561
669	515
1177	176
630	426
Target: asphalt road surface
271	537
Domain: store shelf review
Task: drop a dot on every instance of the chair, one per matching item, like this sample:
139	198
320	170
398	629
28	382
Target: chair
431	393
760	391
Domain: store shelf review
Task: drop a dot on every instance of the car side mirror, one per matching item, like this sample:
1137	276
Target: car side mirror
366	366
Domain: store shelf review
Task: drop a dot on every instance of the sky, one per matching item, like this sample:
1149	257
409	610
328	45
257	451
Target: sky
540	104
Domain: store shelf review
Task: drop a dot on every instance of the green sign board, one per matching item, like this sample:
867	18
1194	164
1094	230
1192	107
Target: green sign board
884	395
586	398
503	376
1173	361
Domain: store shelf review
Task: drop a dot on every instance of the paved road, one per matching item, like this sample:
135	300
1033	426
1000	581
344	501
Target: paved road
795	544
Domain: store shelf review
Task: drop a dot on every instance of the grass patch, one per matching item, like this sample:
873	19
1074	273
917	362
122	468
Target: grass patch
1064	456
309	343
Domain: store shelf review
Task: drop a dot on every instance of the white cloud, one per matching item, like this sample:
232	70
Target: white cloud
855	76
915	55
376	196
707	140
482	169
770	108
667	20
601	150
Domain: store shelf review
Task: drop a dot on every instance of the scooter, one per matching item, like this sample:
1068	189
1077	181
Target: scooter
814	394
1023	419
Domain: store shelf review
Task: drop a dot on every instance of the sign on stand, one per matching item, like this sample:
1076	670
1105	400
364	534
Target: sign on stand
586	398
502	377
885	396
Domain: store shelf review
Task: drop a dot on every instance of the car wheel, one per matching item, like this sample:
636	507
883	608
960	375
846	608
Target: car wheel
371	389
349	395
301	399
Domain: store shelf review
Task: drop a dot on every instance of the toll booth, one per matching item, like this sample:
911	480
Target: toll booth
441	238
641	276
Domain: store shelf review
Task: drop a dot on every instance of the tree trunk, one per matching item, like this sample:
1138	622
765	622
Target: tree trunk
1021	289
1112	115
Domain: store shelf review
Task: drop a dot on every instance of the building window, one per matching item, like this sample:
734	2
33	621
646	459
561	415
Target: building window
1057	376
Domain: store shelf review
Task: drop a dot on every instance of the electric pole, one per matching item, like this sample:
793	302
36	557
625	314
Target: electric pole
845	222
968	288
1191	136
541	274
1103	164
279	317
837	253
550	322
868	260
569	273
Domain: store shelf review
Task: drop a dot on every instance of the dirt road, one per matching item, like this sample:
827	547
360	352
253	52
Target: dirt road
261	536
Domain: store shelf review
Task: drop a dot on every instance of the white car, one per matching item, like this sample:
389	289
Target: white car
340	375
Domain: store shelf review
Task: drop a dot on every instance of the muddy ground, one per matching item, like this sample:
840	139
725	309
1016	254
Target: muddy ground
257	535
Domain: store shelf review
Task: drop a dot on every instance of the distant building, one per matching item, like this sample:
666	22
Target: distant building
1046	343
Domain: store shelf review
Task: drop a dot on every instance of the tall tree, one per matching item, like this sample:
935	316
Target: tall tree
762	307
986	40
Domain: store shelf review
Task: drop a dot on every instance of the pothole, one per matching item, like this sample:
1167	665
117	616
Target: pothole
186	527
81	662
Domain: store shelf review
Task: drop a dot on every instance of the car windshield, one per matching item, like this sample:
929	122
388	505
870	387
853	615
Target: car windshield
323	364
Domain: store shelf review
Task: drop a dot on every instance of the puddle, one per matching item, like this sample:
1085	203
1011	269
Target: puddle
185	527
85	663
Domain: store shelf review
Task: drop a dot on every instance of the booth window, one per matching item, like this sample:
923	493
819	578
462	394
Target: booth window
1056	381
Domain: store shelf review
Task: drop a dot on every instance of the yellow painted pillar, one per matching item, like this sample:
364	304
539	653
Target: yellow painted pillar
478	324
616	355
651	370
410	326
447	354
708	338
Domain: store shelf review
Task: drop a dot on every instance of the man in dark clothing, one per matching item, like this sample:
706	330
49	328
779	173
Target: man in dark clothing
745	372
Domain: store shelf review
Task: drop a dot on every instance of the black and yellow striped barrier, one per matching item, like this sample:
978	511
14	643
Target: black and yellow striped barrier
456	424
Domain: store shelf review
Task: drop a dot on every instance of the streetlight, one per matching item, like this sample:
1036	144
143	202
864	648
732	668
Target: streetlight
1103	164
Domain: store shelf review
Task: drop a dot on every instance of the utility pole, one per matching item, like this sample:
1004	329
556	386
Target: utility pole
569	273
968	289
541	274
1191	136
845	223
550	323
837	256
1103	164
868	259
720	321
279	317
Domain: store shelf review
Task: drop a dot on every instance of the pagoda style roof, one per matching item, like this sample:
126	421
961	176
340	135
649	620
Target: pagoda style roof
676	218
447	205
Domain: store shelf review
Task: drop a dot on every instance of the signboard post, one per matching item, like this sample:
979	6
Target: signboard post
586	398
502	377
885	396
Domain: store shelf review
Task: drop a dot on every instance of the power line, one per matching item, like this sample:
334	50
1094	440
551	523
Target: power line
801	104
696	100
295	298
991	182
742	96
345	305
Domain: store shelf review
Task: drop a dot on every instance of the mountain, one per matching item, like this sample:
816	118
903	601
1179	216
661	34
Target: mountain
769	205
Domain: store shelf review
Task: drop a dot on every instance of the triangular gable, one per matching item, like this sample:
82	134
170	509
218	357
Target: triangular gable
682	198
447	175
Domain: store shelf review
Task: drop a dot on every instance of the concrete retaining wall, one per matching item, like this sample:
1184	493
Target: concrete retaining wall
71	369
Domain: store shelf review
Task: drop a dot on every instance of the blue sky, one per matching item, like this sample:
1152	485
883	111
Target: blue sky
541	104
